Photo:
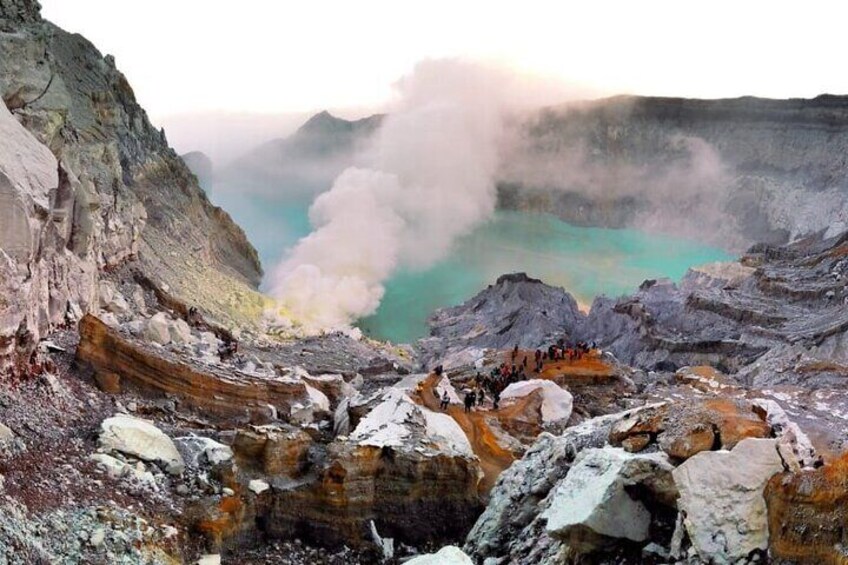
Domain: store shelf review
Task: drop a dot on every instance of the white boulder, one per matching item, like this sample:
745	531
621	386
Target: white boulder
134	436
592	504
158	329
118	469
557	403
111	299
721	497
443	430
258	486
319	400
397	421
180	332
448	555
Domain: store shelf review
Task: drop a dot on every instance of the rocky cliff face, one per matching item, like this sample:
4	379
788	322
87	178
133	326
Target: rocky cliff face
89	184
735	171
516	311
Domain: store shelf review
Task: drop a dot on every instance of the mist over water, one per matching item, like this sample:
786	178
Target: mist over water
380	230
585	261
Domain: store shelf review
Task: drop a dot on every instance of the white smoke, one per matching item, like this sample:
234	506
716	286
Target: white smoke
429	179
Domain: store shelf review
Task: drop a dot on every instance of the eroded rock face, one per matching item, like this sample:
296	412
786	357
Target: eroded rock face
762	170
413	497
721	497
87	183
125	364
807	513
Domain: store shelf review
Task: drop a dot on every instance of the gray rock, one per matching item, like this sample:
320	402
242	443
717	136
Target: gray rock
721	496
516	310
591	507
158	329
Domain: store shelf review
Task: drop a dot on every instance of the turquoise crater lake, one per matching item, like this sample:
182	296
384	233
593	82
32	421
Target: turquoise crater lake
585	261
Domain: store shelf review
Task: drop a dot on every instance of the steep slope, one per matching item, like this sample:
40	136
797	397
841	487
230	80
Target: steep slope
118	191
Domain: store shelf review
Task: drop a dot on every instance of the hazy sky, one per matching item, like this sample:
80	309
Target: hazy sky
265	56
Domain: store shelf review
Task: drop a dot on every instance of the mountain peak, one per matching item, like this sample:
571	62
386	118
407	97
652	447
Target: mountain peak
323	122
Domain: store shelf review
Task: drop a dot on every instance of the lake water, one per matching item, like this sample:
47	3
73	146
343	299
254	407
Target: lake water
585	261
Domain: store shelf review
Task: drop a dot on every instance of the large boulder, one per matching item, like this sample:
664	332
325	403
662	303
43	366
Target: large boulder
142	439
593	507
721	498
399	422
157	329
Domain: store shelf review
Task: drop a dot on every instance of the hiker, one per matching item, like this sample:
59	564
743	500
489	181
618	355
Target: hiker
443	405
481	397
496	399
193	317
469	400
438	370
525	362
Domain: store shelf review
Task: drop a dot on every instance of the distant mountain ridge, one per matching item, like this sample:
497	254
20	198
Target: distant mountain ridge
732	171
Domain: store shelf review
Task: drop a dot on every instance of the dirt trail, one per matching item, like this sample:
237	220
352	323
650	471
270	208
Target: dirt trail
493	458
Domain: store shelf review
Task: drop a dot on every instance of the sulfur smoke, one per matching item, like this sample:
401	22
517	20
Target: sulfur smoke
429	177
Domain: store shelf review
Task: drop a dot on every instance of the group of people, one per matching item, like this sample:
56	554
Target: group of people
495	381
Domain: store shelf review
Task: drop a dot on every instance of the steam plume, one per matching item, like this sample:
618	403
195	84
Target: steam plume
430	178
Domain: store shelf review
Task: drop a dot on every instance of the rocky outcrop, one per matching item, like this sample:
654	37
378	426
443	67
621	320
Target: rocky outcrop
721	498
516	310
127	364
783	324
683	429
411	496
807	513
96	186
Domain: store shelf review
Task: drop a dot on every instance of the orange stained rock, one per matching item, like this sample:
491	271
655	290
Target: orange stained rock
808	514
493	457
589	368
735	423
223	521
